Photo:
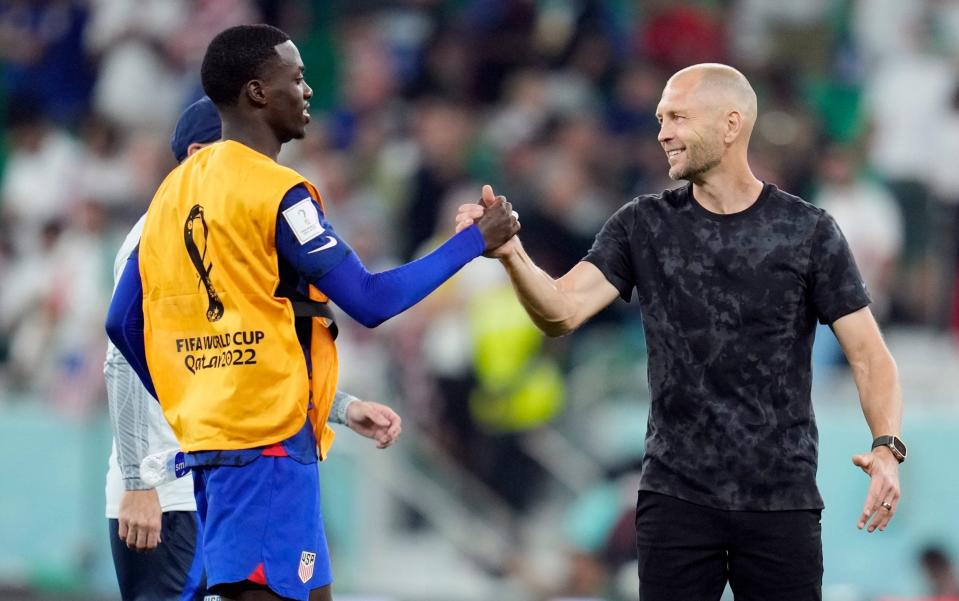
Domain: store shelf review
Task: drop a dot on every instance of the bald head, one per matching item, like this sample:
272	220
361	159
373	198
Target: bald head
721	86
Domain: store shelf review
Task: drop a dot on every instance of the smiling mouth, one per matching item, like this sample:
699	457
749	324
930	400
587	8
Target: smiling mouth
672	154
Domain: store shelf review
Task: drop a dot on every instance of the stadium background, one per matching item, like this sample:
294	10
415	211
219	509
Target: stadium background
516	475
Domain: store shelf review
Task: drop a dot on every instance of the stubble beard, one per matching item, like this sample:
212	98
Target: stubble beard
698	162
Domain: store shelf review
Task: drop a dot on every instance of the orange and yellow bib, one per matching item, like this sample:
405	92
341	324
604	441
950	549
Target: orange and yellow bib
220	346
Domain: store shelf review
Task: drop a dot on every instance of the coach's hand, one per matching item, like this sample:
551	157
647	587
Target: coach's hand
140	519
883	496
375	421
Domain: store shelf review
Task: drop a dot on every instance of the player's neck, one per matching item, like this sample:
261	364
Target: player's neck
727	191
255	135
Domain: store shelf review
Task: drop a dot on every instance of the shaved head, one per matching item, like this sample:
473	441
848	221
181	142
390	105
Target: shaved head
721	86
707	113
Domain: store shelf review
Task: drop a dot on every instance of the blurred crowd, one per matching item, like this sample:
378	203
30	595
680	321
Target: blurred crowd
418	103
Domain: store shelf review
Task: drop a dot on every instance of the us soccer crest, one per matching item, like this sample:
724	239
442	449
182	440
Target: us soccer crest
307	561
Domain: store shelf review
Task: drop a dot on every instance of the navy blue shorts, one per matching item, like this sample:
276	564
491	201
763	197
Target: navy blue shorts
171	572
263	522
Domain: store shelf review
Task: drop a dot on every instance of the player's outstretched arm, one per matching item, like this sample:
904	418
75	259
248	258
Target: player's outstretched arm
556	306
309	243
877	380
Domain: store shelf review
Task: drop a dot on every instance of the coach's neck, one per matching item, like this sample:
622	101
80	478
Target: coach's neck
729	187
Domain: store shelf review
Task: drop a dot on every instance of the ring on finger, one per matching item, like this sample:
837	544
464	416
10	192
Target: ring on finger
887	505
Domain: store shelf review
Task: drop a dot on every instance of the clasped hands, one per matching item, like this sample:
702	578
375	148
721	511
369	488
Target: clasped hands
496	219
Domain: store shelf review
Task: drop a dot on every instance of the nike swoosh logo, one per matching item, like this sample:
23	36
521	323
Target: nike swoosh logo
329	244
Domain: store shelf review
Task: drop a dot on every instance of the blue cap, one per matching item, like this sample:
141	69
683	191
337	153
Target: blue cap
199	123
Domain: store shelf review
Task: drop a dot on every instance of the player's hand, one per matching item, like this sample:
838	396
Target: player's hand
140	519
499	222
375	421
883	496
478	213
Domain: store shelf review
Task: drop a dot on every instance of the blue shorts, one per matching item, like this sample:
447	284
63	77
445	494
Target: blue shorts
263	522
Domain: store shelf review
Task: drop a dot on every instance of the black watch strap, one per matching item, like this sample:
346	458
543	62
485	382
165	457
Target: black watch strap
894	444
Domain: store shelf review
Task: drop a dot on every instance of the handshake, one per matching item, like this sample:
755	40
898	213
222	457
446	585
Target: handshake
496	220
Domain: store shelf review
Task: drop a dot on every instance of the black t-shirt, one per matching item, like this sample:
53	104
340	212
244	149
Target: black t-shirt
730	304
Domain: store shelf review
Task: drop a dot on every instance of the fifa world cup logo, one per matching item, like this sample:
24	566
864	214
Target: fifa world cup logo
215	309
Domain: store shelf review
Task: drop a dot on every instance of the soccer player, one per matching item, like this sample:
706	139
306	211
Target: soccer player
141	517
234	248
732	275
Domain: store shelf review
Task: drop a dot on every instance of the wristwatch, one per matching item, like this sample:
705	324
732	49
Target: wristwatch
895	444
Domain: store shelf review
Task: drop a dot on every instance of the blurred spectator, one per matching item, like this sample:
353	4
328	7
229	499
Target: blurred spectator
77	301
940	573
444	65
569	207
869	218
922	80
944	181
769	32
786	130
27	320
104	172
885	28
205	19
632	106
444	132
519	388
41	46
675	35
138	84
500	38
54	312
40	173
367	83
599	539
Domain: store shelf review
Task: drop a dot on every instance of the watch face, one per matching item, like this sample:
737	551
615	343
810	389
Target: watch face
899	446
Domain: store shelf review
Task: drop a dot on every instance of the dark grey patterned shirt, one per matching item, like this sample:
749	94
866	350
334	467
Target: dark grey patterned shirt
730	304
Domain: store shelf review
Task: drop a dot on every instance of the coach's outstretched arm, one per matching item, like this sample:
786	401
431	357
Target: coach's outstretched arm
556	306
877	380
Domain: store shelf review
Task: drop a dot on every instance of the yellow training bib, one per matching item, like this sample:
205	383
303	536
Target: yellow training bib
220	346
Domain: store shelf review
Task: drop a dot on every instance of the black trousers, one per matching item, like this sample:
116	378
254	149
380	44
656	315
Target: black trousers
688	552
171	572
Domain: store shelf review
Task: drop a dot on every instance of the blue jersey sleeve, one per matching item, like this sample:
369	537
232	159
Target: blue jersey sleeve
307	241
372	298
125	320
304	238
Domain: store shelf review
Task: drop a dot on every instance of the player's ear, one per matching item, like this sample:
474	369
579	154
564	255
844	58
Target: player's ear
256	92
